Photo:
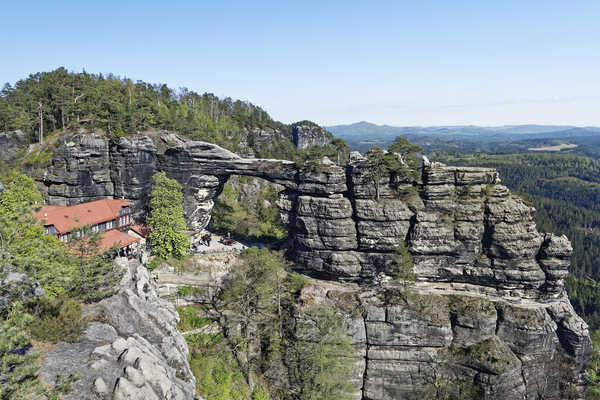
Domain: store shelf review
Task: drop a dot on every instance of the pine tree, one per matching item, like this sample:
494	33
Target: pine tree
322	357
166	219
17	368
377	166
401	268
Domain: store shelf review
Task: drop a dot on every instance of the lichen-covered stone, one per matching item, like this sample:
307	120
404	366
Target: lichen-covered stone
136	354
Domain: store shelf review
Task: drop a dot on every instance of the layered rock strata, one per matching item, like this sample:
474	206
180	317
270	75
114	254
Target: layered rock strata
496	284
135	353
306	134
431	344
459	223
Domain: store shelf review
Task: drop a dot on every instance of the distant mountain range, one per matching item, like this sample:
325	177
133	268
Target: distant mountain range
362	136
368	131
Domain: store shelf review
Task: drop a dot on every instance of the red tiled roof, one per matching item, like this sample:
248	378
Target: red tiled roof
142	230
67	218
117	238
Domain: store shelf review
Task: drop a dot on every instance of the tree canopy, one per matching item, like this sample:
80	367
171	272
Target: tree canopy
120	105
168	238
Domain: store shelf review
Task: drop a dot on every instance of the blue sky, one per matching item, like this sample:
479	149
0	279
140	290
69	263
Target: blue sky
394	62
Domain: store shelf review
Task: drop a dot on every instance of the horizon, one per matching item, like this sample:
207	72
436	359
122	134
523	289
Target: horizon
434	64
464	125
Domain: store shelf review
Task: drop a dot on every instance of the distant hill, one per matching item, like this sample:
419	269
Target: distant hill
363	135
367	130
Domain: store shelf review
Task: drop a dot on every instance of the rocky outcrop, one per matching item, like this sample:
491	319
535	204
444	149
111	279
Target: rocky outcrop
467	235
439	343
135	353
459	223
16	286
306	134
13	144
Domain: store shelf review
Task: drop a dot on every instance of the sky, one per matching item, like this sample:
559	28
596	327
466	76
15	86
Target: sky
332	62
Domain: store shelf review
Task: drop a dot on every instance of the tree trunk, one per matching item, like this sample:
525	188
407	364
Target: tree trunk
41	114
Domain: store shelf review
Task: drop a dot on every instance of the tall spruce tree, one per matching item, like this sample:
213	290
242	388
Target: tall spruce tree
167	238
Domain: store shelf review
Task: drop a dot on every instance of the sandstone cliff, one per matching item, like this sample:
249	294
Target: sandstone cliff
306	134
489	308
135	353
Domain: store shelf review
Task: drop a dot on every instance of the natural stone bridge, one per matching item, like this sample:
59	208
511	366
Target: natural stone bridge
459	223
489	306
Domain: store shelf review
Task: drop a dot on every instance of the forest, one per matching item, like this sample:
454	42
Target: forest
49	101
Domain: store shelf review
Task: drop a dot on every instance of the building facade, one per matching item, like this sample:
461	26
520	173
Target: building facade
111	218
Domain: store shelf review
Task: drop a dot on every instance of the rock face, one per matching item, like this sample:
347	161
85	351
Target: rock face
466	233
432	344
459	223
12	144
16	286
137	353
306	134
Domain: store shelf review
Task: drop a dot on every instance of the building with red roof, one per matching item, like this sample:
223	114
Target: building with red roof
109	217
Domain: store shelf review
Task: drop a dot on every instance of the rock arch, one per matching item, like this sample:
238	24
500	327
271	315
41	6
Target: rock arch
461	226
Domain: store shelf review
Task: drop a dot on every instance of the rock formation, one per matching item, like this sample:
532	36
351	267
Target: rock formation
12	145
436	341
306	134
135	353
16	286
489	308
459	223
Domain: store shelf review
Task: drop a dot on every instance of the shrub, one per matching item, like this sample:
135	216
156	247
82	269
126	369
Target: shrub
155	263
218	375
489	189
58	319
189	319
401	268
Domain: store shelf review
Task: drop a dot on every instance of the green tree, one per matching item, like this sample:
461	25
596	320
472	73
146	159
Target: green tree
255	293
593	368
18	372
313	159
98	277
322	356
341	150
407	151
168	238
377	165
401	268
43	257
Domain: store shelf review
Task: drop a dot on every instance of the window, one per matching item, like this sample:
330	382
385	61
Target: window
64	238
